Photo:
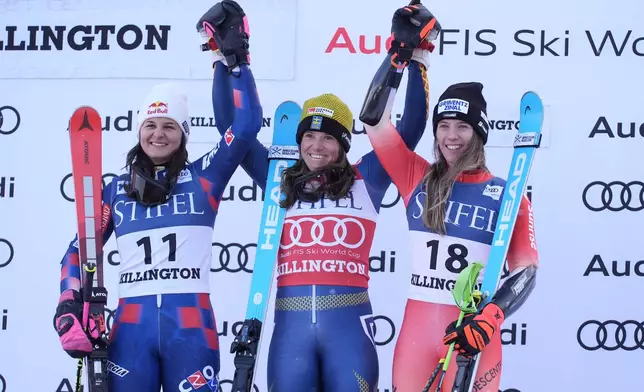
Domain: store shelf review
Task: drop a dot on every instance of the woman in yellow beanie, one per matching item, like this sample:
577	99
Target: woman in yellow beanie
323	335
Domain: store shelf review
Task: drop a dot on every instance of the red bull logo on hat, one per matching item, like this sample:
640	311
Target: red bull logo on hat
158	107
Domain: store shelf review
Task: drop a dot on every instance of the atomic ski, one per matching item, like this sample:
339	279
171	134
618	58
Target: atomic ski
283	153
85	132
526	141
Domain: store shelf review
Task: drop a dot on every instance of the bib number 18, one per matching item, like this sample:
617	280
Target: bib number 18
456	256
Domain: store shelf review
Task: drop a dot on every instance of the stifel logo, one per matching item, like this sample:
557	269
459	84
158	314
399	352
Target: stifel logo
342	40
157	108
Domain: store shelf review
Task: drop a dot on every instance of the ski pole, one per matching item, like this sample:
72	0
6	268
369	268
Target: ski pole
87	296
466	299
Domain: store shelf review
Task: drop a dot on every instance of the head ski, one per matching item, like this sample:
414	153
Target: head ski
85	134
526	141
283	153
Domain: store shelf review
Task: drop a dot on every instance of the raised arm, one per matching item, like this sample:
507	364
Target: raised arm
217	167
255	162
412	125
413	27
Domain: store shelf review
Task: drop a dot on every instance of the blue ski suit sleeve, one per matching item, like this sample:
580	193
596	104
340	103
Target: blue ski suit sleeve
411	128
70	265
217	166
255	162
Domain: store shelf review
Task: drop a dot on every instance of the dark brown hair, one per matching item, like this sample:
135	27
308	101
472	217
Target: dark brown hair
340	177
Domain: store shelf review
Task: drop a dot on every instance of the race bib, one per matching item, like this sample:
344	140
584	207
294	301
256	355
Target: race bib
437	262
165	260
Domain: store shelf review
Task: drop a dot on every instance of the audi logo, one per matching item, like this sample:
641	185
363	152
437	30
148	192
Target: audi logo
233	257
326	231
611	335
109	319
614	196
9	121
229	385
7	244
382	328
385	204
67	185
3	384
110	258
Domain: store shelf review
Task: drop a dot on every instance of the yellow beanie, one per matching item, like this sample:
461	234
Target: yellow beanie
327	113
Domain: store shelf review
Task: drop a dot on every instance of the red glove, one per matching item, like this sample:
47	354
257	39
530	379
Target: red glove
476	330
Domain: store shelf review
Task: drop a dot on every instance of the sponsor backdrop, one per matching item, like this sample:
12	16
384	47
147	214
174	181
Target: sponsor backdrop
586	184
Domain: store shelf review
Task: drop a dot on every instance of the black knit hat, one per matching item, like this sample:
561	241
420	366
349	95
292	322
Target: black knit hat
464	101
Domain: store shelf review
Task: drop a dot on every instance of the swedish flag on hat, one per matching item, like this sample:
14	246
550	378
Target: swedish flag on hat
327	113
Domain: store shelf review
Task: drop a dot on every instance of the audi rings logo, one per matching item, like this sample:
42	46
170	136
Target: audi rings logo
326	231
229	386
611	335
109	319
3	384
233	257
614	196
67	185
9	120
5	256
382	328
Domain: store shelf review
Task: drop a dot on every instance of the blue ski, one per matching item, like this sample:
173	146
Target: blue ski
283	153
526	141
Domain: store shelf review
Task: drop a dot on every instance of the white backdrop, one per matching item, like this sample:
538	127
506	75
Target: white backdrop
584	60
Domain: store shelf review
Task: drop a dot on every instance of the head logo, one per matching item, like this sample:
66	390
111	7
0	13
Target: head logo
508	205
9	120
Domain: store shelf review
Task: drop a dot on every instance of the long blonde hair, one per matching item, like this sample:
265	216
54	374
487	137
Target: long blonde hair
440	178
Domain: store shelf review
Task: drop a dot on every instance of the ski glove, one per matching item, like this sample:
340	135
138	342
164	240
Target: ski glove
227	26
67	321
476	330
412	27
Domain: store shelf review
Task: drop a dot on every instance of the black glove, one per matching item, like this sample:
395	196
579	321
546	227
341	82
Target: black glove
226	24
412	26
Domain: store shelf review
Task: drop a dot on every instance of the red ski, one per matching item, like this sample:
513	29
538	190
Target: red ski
85	134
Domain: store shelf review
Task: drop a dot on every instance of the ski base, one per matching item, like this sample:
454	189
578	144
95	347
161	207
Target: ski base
85	133
526	141
282	154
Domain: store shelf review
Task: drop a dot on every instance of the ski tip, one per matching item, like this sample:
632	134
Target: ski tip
287	117
531	103
85	118
86	109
